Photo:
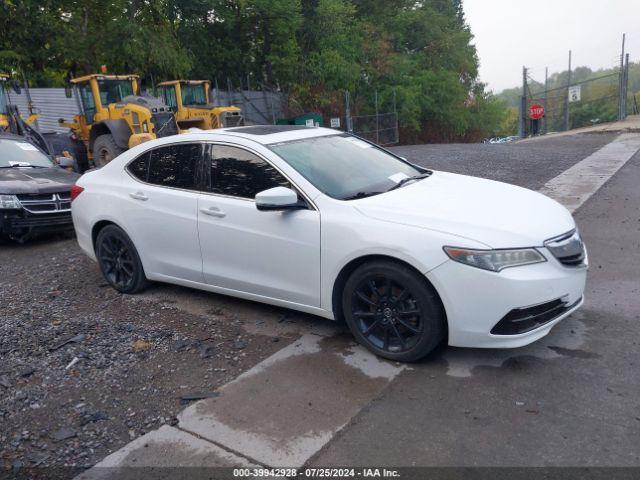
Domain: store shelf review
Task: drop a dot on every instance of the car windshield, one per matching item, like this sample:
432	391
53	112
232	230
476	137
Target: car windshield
16	153
193	94
344	167
113	91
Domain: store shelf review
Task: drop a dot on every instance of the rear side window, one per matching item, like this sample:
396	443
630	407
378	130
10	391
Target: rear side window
173	166
239	173
140	167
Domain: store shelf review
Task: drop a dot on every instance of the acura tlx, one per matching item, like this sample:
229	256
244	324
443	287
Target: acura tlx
323	222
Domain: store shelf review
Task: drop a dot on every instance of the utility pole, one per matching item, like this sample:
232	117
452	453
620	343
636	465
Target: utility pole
546	89
523	105
377	120
566	98
625	86
395	112
347	112
621	79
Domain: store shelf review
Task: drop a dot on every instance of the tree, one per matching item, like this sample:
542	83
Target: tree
416	52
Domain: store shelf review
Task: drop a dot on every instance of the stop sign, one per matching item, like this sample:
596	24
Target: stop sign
536	111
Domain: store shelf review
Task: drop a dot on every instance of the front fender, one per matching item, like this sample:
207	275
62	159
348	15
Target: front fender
119	129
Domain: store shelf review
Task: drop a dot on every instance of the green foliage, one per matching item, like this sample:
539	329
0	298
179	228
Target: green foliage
416	52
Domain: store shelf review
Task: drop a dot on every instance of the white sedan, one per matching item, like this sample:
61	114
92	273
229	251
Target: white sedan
322	222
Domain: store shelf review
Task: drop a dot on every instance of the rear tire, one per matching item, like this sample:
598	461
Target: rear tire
393	311
119	260
105	149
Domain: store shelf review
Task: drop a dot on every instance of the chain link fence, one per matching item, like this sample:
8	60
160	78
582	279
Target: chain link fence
381	128
581	104
574	98
373	116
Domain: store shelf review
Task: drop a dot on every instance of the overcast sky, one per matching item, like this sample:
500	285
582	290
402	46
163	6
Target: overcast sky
512	33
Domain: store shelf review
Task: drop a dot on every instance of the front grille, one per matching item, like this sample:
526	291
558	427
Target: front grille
41	221
568	249
42	203
164	124
523	320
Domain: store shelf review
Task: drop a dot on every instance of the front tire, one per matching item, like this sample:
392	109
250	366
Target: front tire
119	260
393	311
105	149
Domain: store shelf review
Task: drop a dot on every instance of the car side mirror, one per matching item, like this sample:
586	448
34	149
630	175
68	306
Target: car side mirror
68	92
278	198
16	87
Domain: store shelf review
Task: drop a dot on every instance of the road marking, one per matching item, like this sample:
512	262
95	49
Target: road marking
577	184
286	408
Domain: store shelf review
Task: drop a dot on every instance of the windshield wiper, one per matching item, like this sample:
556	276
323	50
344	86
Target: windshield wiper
22	166
409	179
360	195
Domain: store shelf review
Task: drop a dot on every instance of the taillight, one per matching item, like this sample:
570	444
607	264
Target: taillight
75	191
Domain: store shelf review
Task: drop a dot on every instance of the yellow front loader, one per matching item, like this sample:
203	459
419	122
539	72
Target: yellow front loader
114	117
190	101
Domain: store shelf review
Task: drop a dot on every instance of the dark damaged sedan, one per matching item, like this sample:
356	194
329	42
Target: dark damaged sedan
34	191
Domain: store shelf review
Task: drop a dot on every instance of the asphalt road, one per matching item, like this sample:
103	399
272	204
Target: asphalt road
571	399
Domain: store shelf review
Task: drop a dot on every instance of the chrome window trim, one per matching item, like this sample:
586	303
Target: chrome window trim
262	157
312	205
136	179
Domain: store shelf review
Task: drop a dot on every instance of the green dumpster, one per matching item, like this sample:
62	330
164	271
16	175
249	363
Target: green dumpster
312	119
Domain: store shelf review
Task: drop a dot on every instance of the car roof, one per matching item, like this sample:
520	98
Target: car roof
270	134
11	136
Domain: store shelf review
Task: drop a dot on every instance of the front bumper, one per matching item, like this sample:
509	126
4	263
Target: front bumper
20	224
476	300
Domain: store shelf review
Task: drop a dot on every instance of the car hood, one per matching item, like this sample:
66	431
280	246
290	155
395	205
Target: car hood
35	180
496	214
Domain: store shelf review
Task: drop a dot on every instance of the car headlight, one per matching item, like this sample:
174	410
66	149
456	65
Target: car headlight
495	260
9	201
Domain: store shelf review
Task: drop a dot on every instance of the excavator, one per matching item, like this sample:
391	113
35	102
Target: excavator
58	147
193	108
5	104
115	117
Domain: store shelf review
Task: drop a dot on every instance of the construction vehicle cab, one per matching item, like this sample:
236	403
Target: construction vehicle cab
190	100
114	117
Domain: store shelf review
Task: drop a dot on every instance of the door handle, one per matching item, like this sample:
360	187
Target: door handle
213	212
139	196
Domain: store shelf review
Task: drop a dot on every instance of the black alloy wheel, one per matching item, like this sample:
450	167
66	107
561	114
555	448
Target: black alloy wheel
392	311
119	260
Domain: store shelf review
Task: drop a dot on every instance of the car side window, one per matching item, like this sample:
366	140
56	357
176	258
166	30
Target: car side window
175	166
239	173
139	168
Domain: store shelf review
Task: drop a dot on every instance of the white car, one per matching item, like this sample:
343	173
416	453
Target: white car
322	222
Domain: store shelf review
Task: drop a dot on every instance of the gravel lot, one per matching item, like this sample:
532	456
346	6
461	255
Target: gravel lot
529	164
84	369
